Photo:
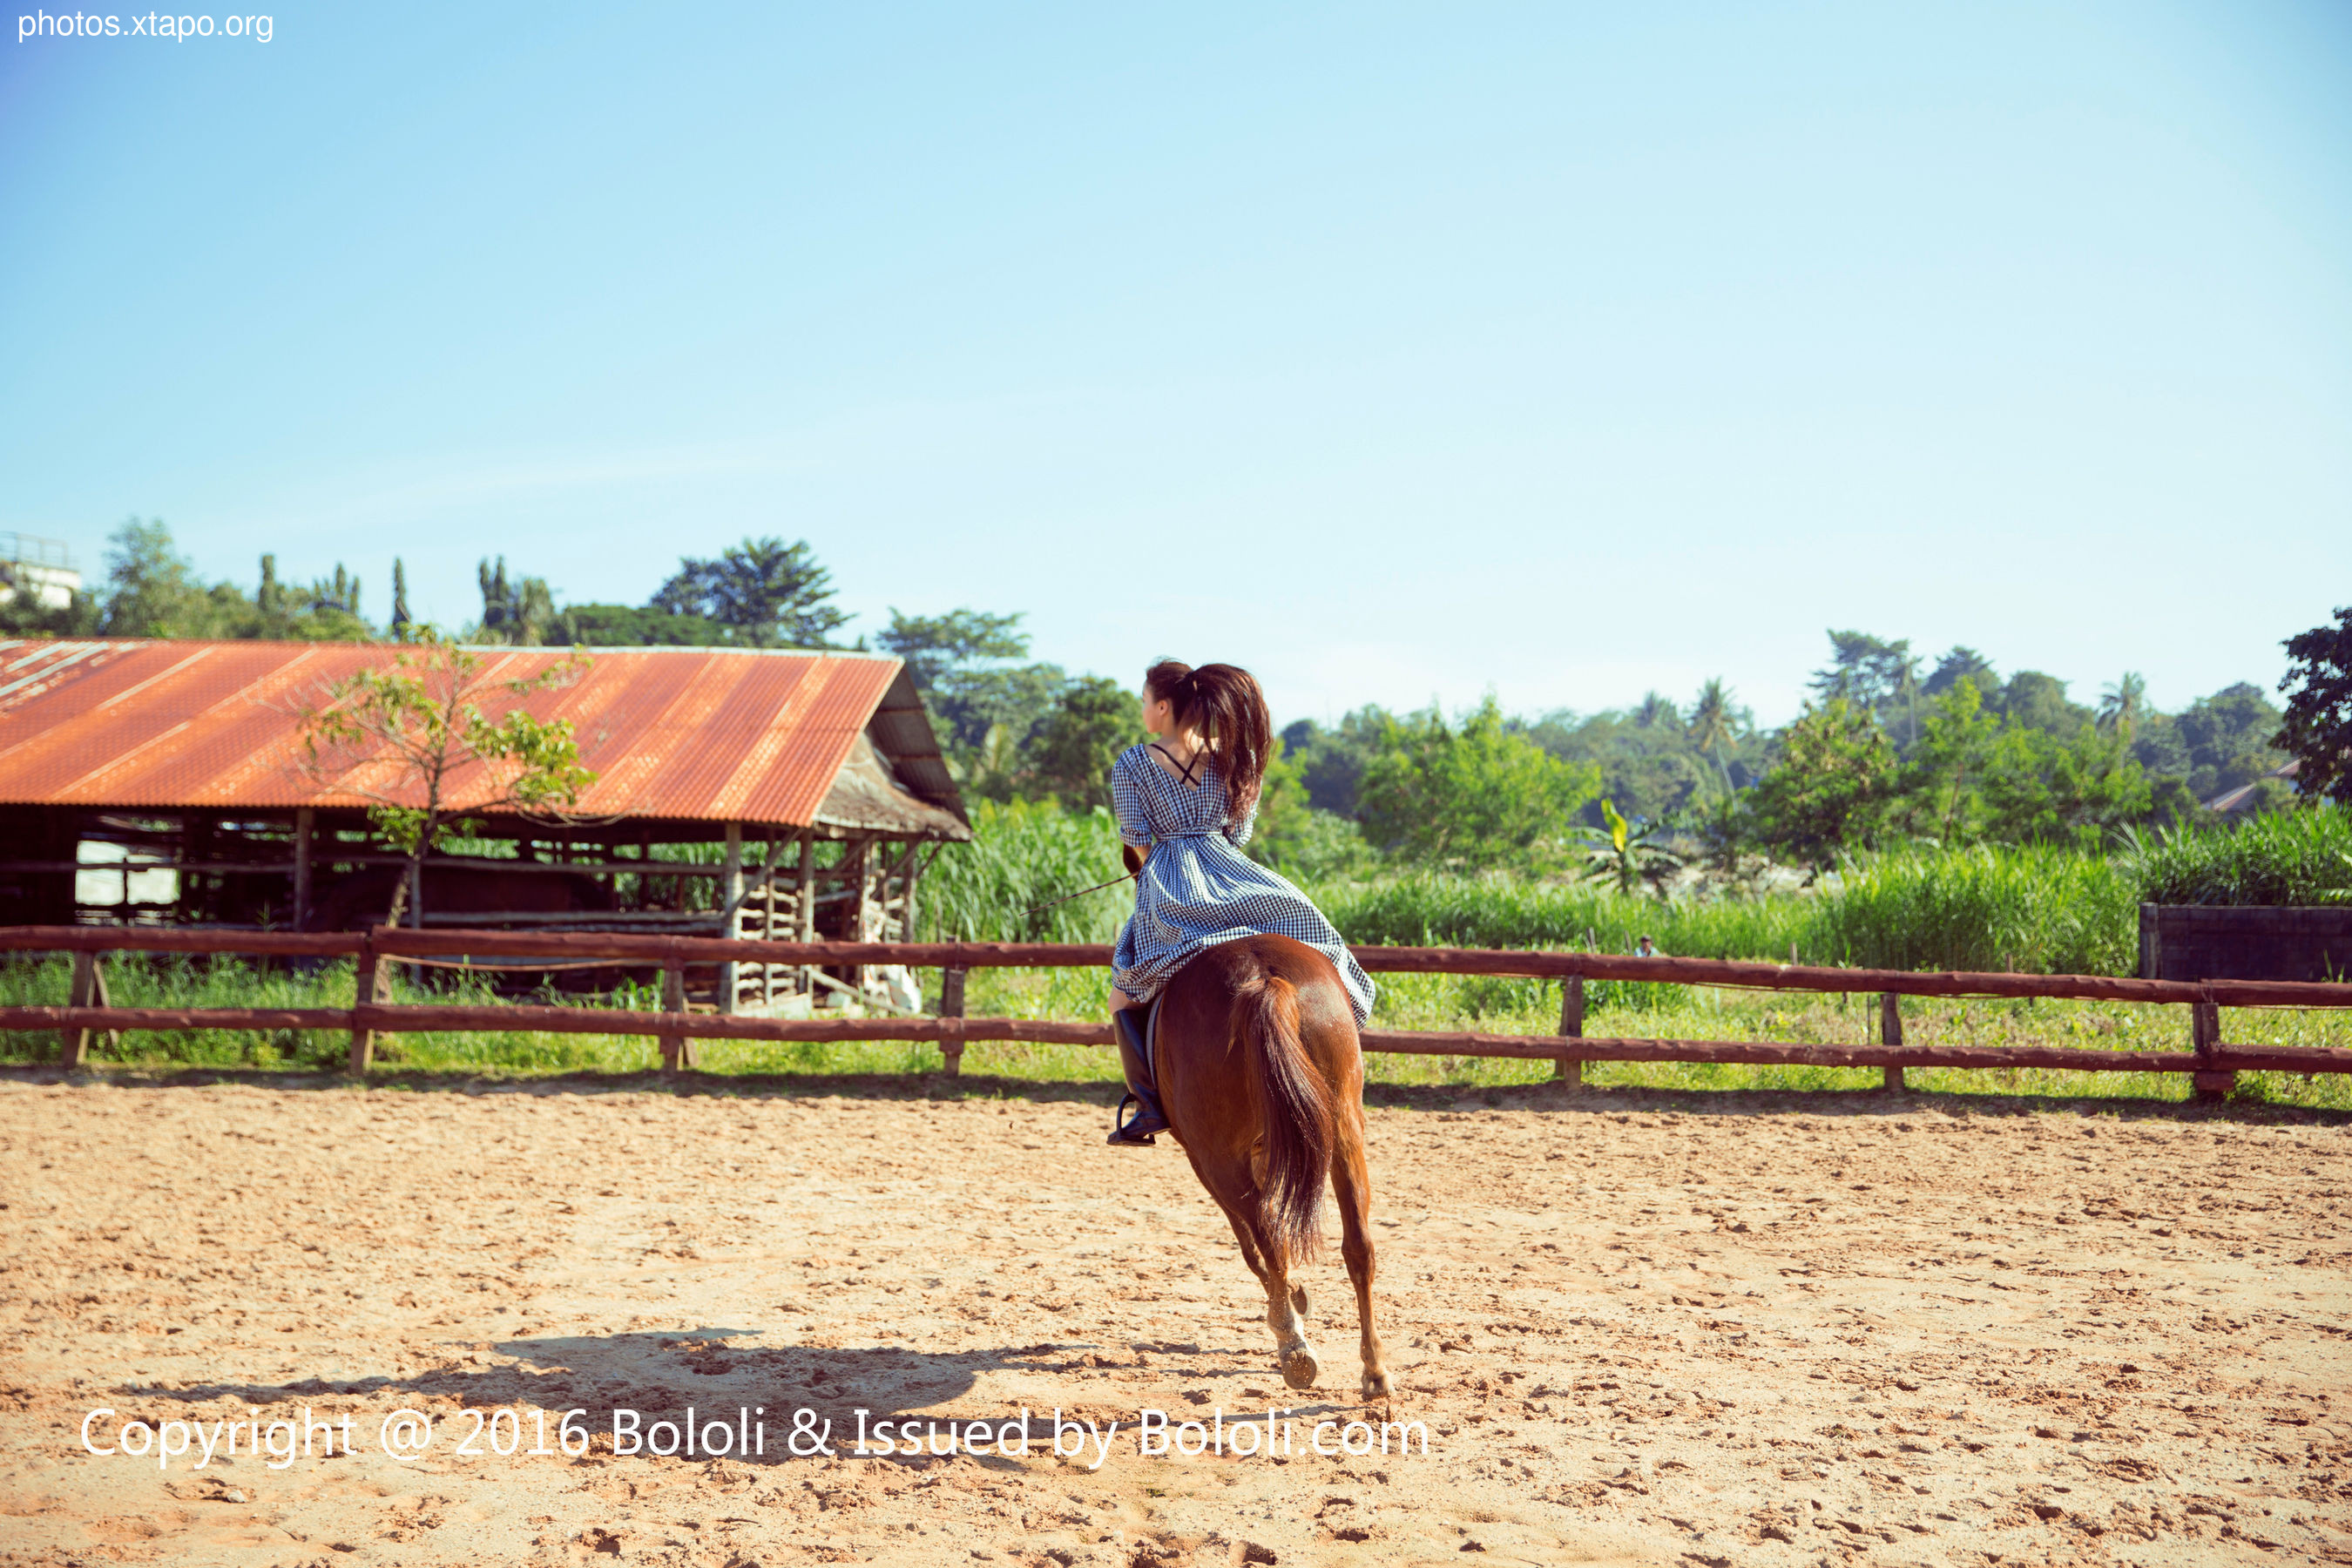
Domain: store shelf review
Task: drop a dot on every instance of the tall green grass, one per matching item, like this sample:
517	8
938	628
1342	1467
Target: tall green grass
1023	856
2033	908
2299	857
1435	910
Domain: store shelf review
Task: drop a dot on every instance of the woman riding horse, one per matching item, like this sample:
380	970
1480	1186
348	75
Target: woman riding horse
1189	799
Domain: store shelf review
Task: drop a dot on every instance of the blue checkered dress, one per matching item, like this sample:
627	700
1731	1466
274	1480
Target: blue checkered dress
1198	888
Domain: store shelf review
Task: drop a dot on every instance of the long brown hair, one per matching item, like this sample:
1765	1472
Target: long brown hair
1225	703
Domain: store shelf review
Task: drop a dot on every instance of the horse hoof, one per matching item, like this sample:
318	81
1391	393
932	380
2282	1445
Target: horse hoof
1298	1368
1298	1300
1376	1388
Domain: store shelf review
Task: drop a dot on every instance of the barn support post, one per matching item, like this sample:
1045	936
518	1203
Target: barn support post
365	989
805	912
730	890
305	821
88	990
951	1006
675	1050
914	875
2205	1038
1890	1033
1568	1070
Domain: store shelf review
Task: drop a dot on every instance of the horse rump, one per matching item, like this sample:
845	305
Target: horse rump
1300	1124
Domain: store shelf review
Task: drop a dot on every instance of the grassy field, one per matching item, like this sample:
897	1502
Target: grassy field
1407	1001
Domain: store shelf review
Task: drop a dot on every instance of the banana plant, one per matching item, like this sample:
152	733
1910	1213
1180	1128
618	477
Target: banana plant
1626	856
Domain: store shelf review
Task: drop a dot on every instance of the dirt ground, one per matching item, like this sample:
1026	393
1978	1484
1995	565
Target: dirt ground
1749	1329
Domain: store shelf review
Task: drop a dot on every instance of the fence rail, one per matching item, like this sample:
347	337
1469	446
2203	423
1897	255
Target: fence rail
2213	1063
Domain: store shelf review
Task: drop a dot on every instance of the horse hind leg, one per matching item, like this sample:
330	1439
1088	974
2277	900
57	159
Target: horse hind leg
1351	1183
1286	1303
1298	1302
1285	1306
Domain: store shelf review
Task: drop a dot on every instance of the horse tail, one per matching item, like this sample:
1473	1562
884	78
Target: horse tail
1301	1119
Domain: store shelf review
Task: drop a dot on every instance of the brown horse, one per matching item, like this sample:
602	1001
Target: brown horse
1262	1079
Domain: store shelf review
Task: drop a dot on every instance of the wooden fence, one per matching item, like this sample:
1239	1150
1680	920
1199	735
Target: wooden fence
2213	1063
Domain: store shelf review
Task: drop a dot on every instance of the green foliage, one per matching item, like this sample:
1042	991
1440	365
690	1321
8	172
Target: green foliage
1331	763
1655	763
935	647
1024	853
1440	909
1625	855
521	613
2216	743
1095	720
626	626
2301	856
1297	837
2318	727
770	593
411	738
1835	777
1471	796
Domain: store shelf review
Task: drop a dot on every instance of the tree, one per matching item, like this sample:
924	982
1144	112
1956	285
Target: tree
152	588
1714	722
933	645
2040	787
2034	698
412	741
772	593
1095	721
2317	725
521	612
1472	796
2121	706
2229	737
1831	786
1331	763
1625	855
1942	783
1961	663
1658	713
400	617
1866	670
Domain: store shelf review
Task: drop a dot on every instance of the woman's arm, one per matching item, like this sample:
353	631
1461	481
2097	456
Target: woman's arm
1126	805
1239	832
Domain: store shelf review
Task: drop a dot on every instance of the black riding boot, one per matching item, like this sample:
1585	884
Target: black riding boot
1128	1025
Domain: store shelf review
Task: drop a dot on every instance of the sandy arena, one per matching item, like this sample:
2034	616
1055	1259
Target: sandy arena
1639	1329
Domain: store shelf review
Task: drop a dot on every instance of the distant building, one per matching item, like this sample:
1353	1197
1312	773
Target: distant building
2248	797
36	570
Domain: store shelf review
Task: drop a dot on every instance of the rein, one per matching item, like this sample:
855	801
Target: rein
1082	892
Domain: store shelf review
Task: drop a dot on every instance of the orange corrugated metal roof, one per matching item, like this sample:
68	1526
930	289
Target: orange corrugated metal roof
707	734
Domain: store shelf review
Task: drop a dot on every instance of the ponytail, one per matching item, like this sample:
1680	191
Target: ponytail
1226	704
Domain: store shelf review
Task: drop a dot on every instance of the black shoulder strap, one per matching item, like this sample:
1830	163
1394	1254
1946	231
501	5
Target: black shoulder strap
1183	768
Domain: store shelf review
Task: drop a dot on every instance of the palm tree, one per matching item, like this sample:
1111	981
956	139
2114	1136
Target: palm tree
1712	723
2121	706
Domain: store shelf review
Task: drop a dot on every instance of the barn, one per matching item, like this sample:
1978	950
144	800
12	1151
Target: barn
743	793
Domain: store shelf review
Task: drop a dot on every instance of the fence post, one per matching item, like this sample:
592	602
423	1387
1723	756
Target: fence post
88	990
363	994
674	1051
2205	1035
951	1006
1569	1070
1890	1033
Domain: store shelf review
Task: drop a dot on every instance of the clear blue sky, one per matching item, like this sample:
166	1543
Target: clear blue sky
1563	351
